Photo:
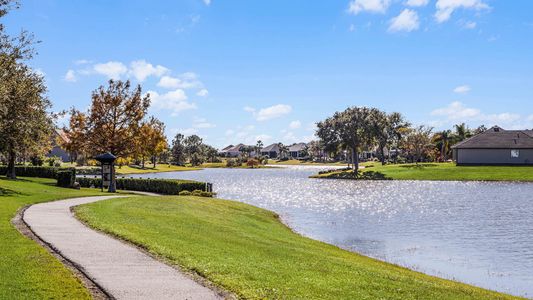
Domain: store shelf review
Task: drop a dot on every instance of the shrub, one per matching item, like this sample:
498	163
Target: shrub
160	186
53	160
65	178
231	163
92	162
89	171
252	163
184	193
33	171
37	160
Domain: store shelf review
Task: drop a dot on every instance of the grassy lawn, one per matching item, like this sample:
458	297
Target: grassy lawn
28	271
445	171
150	169
295	162
246	250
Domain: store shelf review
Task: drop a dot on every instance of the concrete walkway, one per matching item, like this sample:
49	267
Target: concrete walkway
121	270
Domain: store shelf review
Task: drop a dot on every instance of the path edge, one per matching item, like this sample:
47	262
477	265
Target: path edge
96	291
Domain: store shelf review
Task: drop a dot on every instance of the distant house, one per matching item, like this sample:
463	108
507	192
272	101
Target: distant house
496	146
272	151
231	151
298	151
58	138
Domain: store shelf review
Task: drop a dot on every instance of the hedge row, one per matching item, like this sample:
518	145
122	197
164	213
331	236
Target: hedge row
160	186
36	171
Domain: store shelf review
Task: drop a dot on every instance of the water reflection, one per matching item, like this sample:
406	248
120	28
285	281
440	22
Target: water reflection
479	233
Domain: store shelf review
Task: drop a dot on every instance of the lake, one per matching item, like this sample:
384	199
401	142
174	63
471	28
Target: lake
475	232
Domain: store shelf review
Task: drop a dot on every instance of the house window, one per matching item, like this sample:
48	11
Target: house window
515	153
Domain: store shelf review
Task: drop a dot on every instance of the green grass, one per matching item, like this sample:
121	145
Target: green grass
445	171
28	271
295	162
247	251
150	169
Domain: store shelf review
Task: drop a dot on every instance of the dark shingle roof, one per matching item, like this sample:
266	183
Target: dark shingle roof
297	147
498	138
271	148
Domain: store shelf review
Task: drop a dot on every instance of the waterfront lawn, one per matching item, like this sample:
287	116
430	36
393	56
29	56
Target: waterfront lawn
295	162
247	251
28	271
442	171
149	168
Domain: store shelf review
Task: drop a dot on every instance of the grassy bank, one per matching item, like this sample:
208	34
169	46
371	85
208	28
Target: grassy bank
246	250
27	271
150	169
440	171
295	162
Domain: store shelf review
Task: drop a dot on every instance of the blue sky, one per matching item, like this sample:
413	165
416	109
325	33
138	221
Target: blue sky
237	71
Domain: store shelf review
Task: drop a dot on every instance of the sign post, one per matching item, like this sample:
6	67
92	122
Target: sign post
107	160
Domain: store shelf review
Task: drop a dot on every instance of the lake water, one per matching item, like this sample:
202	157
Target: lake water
475	232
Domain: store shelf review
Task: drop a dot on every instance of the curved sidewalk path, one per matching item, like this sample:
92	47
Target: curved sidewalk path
122	270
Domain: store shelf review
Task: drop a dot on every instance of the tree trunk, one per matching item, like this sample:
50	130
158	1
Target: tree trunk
155	160
142	162
382	149
11	165
355	160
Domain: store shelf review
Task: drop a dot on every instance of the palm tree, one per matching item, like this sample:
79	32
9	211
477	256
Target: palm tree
462	132
258	146
443	139
283	150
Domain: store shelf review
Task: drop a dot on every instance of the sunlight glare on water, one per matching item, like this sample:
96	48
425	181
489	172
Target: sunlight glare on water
476	232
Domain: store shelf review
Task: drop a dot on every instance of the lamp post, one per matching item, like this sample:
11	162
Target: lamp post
107	160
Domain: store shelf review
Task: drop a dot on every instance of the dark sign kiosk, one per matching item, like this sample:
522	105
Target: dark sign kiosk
107	161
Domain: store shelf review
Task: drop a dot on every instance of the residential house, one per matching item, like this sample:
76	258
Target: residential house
272	151
496	146
231	151
58	137
298	151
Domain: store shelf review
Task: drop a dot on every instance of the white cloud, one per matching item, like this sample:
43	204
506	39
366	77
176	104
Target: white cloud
351	28
295	125
445	8
373	6
269	113
230	132
70	76
203	93
169	82
207	2
112	69
458	112
175	101
202	123
141	70
407	20
463	89
82	62
416	3
470	25
187	80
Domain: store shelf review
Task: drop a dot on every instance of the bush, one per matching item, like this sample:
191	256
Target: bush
160	186
54	161
199	193
65	178
252	163
231	163
37	160
89	171
33	171
184	193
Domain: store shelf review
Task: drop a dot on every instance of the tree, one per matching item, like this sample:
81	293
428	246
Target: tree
156	140
25	124
210	153
178	149
193	149
115	117
258	146
314	150
76	144
418	142
462	132
283	151
442	138
350	129
387	130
